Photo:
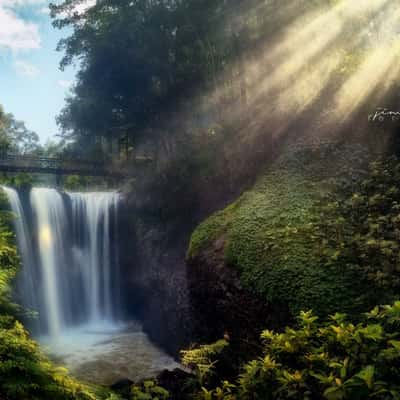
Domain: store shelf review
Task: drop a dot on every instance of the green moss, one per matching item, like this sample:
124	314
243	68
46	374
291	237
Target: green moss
272	238
210	229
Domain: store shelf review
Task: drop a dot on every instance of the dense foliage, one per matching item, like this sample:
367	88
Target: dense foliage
137	60
360	229
203	359
14	136
148	390
157	71
334	360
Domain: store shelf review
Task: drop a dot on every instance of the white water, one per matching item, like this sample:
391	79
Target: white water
73	276
92	214
26	281
51	222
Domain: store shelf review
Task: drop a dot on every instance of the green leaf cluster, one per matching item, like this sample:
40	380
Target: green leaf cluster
362	228
20	180
202	359
149	390
332	360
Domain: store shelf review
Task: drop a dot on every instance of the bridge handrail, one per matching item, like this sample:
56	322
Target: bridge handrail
38	160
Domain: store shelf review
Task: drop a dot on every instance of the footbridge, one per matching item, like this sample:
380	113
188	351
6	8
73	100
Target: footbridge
61	166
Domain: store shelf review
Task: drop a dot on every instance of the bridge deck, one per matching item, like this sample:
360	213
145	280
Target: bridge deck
53	165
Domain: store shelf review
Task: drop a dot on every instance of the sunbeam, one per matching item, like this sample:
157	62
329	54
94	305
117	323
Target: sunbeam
331	59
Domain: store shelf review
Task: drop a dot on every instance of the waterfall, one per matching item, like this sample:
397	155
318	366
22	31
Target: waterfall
92	222
73	276
51	223
27	275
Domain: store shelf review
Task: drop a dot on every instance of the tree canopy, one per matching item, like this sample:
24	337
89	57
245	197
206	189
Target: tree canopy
137	60
15	136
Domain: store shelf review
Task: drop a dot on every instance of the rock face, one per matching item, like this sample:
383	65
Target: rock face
180	304
155	284
174	301
243	275
221	307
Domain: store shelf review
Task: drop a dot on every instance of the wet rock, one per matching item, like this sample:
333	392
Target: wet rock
155	287
221	306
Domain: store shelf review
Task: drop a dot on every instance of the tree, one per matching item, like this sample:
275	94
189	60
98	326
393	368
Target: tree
15	136
139	60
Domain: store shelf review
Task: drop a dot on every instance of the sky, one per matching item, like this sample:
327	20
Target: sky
32	87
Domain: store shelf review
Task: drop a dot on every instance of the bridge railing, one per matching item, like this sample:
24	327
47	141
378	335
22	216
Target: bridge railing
10	162
33	162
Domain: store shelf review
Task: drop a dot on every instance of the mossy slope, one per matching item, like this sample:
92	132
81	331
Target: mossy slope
271	237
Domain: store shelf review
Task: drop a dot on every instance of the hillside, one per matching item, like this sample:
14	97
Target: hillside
276	238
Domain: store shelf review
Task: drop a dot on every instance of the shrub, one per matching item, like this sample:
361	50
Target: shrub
203	359
149	390
21	180
77	182
361	227
335	360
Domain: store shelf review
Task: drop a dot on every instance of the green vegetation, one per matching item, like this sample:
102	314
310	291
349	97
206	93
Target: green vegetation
78	182
334	360
149	390
25	373
15	137
155	74
19	180
139	59
292	245
74	182
361	228
203	359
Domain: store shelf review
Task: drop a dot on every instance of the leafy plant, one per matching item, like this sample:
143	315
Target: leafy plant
149	390
203	359
20	180
361	227
333	360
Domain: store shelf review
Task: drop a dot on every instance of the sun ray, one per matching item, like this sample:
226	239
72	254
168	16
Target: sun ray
321	37
314	74
370	76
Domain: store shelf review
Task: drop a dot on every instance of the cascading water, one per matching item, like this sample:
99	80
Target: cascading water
51	223
27	275
73	277
70	275
93	214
